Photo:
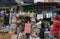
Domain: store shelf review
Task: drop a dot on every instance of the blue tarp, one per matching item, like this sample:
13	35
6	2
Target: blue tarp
11	2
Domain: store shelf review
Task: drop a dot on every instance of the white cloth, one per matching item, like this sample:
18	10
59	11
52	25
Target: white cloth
48	15
39	24
39	16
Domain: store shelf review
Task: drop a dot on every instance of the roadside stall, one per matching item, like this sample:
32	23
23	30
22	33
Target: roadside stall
5	9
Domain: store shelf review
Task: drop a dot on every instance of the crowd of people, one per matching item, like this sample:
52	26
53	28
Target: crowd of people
26	25
54	32
53	27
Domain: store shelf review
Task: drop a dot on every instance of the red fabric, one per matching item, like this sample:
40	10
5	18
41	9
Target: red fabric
27	28
56	28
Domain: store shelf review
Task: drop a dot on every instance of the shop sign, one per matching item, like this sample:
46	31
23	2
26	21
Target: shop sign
35	1
12	2
6	0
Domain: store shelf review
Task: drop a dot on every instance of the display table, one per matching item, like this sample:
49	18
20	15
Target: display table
8	36
5	36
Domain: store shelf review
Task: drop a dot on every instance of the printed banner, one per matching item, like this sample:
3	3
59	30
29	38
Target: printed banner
35	1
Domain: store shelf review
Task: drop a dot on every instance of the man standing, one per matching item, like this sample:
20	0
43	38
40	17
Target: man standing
54	33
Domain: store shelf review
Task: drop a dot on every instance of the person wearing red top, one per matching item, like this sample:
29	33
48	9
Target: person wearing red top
54	32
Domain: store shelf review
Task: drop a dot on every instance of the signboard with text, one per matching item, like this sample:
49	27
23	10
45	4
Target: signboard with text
8	2
35	1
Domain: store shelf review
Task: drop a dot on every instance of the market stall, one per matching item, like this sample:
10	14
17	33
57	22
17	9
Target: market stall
5	10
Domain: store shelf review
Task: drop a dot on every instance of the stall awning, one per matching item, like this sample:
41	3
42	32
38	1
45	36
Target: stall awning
8	2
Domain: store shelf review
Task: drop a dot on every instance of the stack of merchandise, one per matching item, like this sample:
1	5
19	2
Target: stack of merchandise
5	36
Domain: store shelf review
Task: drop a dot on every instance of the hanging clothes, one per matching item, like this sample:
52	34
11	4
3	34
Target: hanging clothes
27	28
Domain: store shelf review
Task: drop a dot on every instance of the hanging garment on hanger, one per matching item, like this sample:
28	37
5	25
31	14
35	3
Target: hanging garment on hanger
54	15
27	28
2	12
39	16
48	15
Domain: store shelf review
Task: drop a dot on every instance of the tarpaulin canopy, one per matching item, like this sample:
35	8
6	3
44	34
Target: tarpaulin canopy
10	2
